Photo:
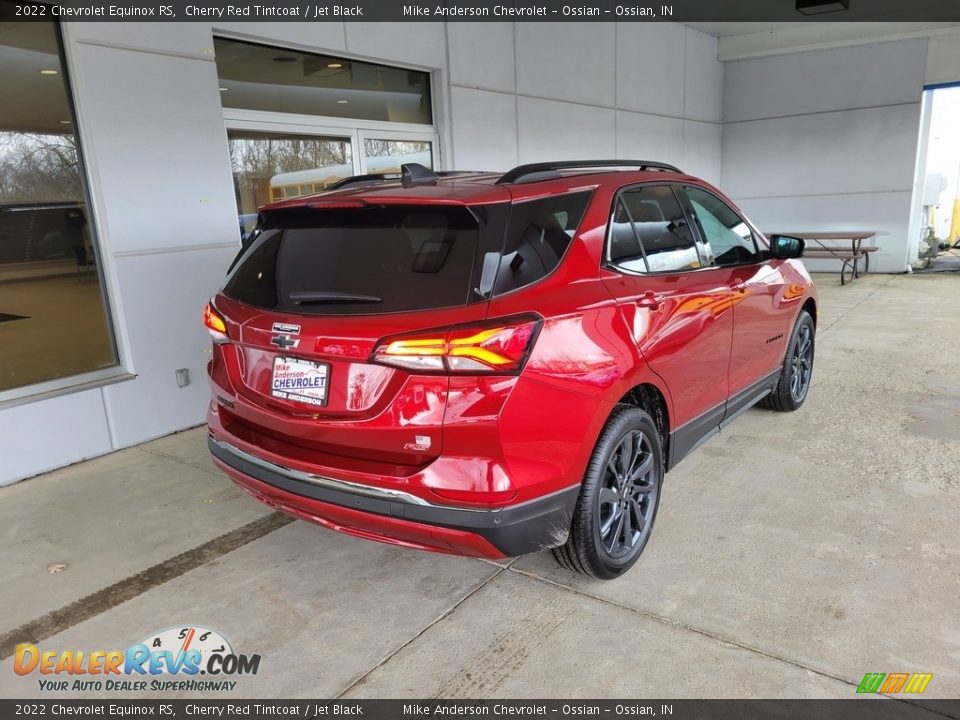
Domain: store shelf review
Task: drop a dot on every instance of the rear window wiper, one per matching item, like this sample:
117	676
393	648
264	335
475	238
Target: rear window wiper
332	298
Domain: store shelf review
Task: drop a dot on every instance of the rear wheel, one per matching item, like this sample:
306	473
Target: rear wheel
797	372
618	499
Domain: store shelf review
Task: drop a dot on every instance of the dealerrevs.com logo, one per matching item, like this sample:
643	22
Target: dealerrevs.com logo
170	660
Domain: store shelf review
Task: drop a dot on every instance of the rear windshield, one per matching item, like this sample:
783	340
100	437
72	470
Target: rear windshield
360	261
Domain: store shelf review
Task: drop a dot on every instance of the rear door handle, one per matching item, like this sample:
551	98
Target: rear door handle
738	286
650	300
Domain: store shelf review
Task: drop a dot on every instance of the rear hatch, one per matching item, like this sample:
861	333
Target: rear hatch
310	299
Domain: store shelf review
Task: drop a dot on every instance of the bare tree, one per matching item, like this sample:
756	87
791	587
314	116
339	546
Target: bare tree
39	167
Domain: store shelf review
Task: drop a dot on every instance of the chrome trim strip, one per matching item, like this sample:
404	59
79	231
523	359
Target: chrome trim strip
368	490
342	485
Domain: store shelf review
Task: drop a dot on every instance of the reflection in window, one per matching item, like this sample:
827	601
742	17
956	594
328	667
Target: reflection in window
53	319
260	77
386	156
727	238
270	167
649	232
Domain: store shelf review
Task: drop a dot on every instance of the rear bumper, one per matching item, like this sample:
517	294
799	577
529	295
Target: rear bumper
400	518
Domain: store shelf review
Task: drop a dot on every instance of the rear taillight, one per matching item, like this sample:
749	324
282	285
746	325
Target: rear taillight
215	324
500	347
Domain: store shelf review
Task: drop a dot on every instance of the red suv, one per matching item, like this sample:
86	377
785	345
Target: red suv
492	365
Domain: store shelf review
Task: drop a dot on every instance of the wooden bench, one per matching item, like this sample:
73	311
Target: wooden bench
854	255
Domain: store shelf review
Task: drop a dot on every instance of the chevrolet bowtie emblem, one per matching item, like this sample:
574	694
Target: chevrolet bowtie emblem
284	341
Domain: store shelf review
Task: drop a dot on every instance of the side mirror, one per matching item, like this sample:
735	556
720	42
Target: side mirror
785	247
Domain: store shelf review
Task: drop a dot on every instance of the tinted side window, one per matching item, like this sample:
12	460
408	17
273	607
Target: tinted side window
727	238
538	234
649	232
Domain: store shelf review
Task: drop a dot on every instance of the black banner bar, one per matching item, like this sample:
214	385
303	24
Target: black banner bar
471	10
873	708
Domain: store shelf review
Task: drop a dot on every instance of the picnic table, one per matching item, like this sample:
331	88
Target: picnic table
844	245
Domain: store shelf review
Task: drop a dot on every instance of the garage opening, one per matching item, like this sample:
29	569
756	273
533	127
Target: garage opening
939	249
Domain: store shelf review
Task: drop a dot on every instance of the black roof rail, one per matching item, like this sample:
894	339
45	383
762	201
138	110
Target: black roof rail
543	170
358	179
393	177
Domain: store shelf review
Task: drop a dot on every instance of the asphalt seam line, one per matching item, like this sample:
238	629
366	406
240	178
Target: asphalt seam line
180	461
101	601
679	625
440	618
875	290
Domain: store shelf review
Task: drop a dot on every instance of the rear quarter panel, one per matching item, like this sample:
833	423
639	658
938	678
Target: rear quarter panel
582	364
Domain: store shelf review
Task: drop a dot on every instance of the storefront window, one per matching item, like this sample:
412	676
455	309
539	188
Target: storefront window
53	313
261	77
386	156
271	167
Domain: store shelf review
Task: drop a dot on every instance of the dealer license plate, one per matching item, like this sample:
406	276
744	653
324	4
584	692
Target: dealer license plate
300	380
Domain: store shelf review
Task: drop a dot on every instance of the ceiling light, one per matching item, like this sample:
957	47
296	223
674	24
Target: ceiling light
284	59
818	7
341	102
224	89
64	122
48	72
334	65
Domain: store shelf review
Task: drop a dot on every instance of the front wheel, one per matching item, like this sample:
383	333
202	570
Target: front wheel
618	499
797	371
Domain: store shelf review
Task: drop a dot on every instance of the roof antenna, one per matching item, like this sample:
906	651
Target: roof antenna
415	174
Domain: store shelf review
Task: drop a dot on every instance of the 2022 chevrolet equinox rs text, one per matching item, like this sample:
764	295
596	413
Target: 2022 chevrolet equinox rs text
492	365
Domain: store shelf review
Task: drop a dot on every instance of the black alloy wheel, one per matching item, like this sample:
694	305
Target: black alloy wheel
801	363
628	495
618	499
797	370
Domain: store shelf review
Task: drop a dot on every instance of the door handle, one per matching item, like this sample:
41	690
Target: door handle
738	286
650	300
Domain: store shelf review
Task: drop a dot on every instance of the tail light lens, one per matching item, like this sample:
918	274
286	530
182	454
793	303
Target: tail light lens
501	347
215	324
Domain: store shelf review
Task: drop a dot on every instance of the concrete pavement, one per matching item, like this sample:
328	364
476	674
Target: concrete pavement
793	553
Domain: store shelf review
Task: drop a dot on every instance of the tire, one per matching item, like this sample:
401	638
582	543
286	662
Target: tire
601	544
791	389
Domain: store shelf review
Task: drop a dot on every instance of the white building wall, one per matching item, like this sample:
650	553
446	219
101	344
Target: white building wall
529	92
152	129
827	140
943	59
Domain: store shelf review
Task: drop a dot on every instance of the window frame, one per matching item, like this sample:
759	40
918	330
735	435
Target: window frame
687	204
121	370
609	264
353	129
287	124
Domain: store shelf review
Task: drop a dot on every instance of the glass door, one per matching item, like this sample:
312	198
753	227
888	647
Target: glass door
385	152
275	161
273	166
